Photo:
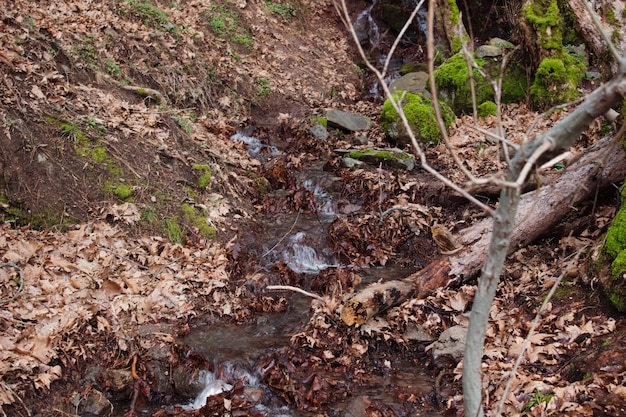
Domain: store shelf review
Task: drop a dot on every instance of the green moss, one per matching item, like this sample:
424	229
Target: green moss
616	36
616	291
205	179
453	77
615	242
454	12
514	84
413	66
263	185
286	11
419	113
545	17
122	192
615	247
197	217
488	108
609	15
382	155
556	81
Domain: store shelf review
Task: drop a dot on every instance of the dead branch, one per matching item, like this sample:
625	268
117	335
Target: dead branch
539	210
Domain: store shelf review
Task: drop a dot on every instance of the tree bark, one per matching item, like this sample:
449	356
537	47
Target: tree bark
538	211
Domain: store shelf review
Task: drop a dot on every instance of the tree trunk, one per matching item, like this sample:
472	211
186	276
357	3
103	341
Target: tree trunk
601	164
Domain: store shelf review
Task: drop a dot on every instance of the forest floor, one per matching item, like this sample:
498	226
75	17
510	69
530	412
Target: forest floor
112	113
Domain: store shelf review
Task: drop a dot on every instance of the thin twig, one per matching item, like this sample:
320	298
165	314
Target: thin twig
294	289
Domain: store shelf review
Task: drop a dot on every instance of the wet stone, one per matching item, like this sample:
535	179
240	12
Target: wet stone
451	343
189	383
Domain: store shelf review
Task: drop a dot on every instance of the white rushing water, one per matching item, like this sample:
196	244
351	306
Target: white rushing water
214	386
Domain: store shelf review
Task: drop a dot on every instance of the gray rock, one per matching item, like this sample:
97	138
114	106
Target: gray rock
318	131
488	51
351	162
451	343
501	43
347	121
188	383
413	82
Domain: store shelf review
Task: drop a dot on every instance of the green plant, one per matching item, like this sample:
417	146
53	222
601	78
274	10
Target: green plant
319	121
184	123
112	67
263	87
87	51
149	215
172	230
286	11
537	398
151	16
225	23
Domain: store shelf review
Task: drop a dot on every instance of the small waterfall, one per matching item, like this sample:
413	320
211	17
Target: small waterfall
366	28
302	257
256	148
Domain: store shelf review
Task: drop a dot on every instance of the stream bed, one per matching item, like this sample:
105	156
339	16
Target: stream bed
238	352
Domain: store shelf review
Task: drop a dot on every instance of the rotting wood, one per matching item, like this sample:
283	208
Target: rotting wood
601	164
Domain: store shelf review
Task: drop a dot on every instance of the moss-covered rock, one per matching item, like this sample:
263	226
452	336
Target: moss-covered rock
392	157
556	81
420	115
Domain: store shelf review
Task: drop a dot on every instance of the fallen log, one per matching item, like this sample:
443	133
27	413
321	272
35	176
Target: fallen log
539	210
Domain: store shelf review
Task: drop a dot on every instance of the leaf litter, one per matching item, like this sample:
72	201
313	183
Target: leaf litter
69	297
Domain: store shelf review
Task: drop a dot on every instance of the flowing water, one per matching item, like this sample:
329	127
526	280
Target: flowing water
299	240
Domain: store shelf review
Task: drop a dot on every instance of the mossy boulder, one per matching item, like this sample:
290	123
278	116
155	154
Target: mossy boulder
453	82
391	157
420	115
556	81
